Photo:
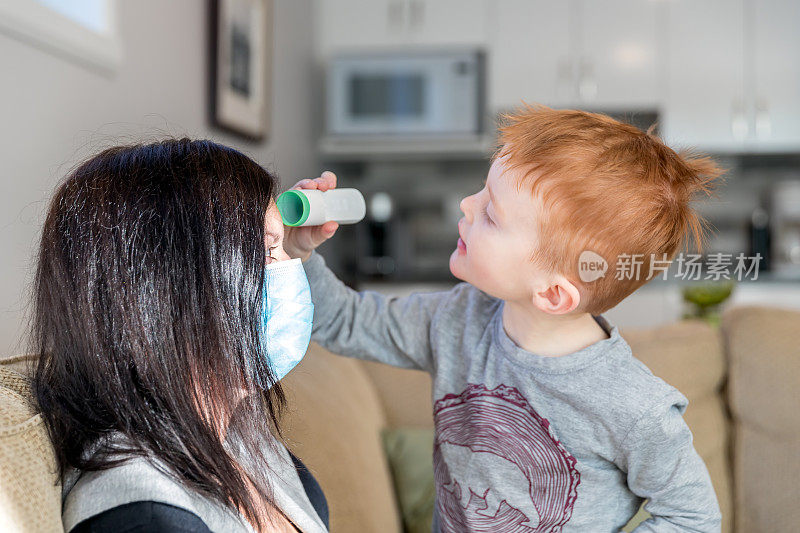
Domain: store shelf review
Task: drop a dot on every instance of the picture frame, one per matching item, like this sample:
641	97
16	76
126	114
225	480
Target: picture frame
240	66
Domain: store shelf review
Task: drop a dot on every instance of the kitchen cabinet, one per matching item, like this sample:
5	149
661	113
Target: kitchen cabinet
774	105
705	93
620	49
346	25
352	24
599	55
529	54
734	75
451	22
723	74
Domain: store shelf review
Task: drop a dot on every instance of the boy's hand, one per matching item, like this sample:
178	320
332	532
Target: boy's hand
300	241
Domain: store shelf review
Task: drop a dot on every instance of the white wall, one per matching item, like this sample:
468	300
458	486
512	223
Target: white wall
55	113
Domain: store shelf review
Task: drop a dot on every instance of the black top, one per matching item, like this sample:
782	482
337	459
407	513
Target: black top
155	517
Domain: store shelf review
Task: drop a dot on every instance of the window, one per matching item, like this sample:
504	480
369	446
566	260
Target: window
92	14
84	31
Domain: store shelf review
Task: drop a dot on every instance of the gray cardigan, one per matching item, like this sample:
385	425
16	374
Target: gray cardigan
86	494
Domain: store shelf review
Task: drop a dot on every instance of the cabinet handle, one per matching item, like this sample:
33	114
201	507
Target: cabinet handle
394	15
416	13
763	120
739	126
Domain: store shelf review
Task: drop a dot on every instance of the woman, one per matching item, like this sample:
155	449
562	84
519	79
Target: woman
166	311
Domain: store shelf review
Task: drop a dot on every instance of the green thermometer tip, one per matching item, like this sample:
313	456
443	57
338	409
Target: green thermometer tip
294	207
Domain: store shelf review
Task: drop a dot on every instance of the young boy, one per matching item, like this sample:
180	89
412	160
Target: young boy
544	419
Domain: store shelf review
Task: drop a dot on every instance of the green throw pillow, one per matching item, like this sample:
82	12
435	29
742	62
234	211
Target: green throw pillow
410	455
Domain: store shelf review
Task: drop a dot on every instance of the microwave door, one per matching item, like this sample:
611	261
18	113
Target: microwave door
389	102
434	94
381	99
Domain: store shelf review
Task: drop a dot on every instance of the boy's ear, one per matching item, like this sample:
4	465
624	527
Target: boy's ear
559	298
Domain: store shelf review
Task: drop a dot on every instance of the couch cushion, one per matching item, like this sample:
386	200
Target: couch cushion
708	420
406	395
719	468
687	354
30	498
766	471
764	353
333	423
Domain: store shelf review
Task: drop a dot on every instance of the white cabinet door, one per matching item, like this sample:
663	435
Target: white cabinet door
705	101
619	53
776	102
346	25
589	53
448	22
529	54
355	24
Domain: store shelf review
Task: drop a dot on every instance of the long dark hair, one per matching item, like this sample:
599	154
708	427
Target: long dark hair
146	299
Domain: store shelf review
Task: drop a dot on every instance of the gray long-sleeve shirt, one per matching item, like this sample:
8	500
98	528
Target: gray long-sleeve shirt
527	443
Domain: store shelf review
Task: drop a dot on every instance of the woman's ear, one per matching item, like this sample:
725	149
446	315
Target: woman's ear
560	297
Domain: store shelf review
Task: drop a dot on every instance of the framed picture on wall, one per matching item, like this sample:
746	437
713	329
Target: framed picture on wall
240	72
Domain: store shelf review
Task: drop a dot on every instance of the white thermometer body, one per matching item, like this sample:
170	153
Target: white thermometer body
312	207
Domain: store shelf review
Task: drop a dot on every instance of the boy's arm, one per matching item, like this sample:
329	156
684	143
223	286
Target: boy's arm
369	325
663	466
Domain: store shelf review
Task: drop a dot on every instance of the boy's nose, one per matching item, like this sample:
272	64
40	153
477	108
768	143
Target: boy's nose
464	205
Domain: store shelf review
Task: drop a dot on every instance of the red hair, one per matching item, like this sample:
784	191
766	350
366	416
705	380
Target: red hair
604	186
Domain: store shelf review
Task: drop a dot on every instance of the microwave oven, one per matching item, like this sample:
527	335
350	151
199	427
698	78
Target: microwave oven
406	94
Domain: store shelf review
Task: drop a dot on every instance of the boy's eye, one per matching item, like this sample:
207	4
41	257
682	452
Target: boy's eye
486	213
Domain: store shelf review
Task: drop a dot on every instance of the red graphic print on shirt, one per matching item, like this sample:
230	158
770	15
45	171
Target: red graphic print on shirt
498	431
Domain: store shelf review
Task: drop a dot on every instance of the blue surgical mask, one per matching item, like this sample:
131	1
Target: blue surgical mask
287	315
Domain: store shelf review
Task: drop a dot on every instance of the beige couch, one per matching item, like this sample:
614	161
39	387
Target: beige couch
742	383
